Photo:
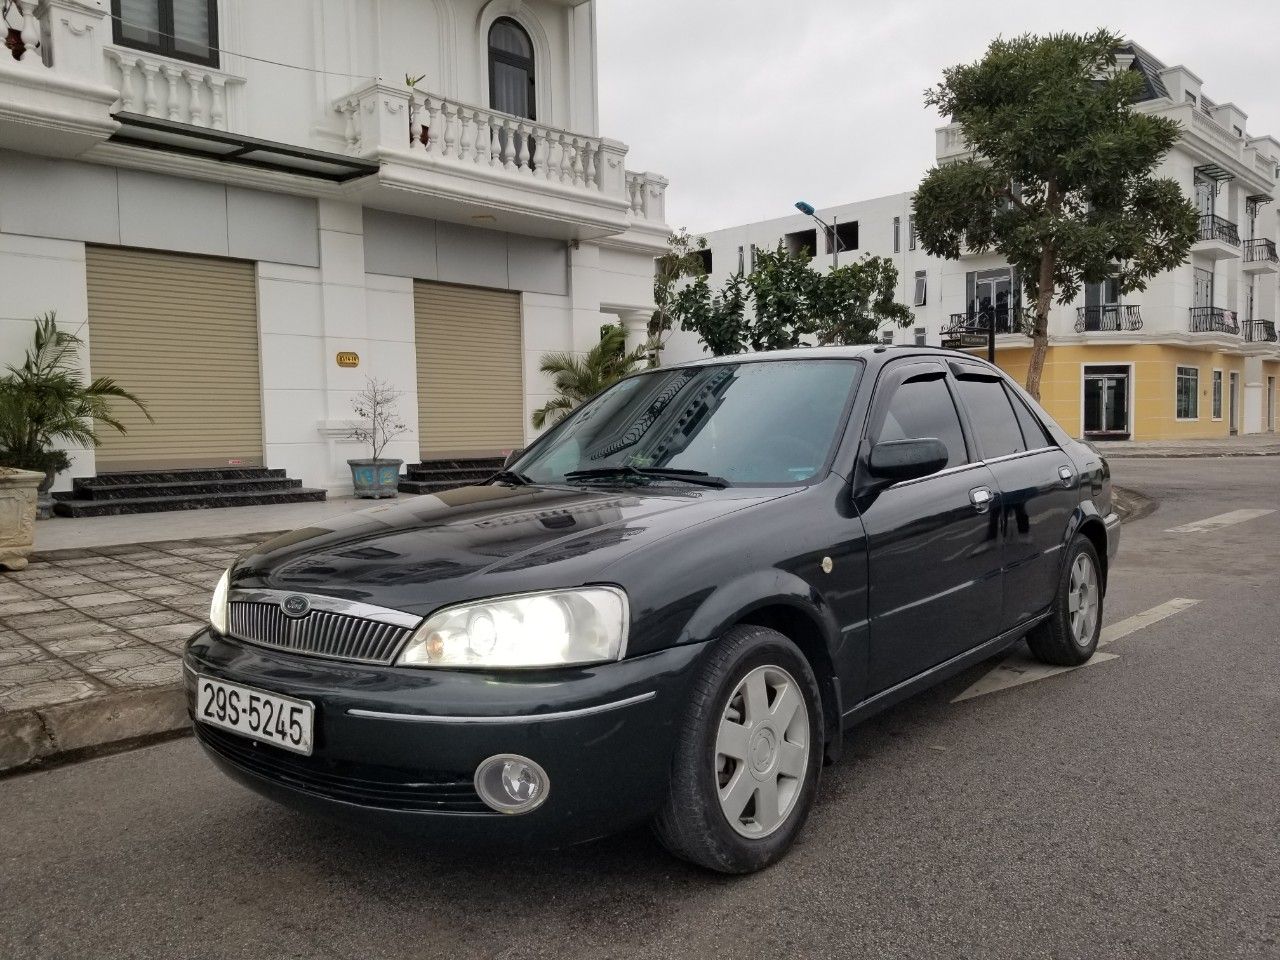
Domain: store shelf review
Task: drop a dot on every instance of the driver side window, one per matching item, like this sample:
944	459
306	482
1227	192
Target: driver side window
922	407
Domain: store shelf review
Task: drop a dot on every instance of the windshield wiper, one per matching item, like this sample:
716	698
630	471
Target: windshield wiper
511	477
699	477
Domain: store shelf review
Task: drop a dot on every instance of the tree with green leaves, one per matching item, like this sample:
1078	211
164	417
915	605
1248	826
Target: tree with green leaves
45	402
1061	181
682	261
784	302
577	378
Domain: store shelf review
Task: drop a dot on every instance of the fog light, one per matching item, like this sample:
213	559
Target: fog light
511	784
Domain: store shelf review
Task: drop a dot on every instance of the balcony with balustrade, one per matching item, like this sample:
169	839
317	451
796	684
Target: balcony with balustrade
1109	318
438	156
1259	331
1214	320
1260	257
1218	238
1008	321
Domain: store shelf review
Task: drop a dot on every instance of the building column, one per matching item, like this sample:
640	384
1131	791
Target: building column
636	325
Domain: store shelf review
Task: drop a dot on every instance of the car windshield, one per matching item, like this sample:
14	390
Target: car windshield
766	422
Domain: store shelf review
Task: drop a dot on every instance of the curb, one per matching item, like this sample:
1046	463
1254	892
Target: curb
70	731
1131	505
1152	455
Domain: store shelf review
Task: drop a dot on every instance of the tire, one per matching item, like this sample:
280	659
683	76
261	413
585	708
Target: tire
693	824
1069	636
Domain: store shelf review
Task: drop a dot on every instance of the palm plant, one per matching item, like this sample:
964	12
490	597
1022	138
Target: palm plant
579	377
45	402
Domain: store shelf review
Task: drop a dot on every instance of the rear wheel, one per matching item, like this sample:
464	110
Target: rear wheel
1070	635
747	763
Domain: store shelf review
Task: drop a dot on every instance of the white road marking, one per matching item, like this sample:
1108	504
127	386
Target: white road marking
1221	520
1019	667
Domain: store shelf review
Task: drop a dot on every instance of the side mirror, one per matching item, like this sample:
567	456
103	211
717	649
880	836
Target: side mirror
896	460
512	457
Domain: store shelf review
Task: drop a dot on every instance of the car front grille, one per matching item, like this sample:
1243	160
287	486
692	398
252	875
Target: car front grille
319	633
388	788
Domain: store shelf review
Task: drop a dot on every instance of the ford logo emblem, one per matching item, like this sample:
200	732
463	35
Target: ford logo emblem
296	605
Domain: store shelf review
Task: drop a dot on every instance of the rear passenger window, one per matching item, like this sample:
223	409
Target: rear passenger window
924	408
992	417
1033	431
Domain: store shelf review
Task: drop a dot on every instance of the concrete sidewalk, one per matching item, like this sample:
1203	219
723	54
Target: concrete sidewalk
1247	445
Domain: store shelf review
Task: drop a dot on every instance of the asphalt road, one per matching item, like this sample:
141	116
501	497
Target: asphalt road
1129	809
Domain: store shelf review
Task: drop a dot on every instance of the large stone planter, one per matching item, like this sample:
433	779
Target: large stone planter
17	516
375	479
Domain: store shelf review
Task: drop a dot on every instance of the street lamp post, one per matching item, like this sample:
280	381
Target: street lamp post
833	237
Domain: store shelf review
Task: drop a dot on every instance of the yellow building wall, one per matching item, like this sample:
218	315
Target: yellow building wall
1153	386
1271	368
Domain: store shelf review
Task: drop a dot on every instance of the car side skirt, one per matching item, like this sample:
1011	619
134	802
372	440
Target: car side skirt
936	674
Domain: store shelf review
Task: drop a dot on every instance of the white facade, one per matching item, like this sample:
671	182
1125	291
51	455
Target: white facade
102	142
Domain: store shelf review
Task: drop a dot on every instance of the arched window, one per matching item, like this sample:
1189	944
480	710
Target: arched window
511	88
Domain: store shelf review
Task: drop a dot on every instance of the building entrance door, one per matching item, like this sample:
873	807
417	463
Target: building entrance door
1271	404
1233	400
1106	402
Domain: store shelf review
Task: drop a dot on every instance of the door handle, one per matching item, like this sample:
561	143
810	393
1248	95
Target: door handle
981	498
1066	475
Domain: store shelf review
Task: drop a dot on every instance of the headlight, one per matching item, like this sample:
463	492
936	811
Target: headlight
552	629
218	606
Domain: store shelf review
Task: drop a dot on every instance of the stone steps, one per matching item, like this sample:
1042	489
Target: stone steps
432	476
114	494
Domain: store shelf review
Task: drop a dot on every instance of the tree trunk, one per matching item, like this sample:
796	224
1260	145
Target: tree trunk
1040	332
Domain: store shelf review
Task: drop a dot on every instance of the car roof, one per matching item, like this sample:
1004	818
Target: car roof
873	353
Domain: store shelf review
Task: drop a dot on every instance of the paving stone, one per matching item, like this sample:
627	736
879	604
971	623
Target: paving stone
154	618
134	584
106	598
163	634
165	590
128	608
123	549
207	580
140	666
70	553
161	562
46	692
14	608
25	674
10	592
67	586
87	559
34	571
21	653
26	621
81	627
110	639
8	639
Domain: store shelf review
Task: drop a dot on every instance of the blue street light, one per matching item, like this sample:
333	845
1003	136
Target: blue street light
833	239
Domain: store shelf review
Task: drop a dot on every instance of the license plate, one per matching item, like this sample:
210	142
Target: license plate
280	721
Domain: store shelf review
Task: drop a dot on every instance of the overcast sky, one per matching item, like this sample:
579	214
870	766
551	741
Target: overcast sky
749	105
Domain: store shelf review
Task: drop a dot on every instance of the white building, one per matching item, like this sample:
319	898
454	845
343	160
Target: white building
244	209
1193	355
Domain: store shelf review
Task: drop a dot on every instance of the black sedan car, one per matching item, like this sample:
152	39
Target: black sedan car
668	609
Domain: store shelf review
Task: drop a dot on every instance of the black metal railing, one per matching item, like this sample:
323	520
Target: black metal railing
1214	227
1108	317
1259	331
1213	320
1260	251
979	320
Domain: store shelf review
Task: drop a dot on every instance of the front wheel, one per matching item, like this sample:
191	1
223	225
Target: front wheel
747	763
1070	634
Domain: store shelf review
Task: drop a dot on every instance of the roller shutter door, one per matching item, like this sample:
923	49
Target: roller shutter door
470	386
181	333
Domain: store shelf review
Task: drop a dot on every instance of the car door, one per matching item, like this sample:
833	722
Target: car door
1039	487
932	548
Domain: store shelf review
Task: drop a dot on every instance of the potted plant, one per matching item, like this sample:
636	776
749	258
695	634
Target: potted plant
375	477
45	402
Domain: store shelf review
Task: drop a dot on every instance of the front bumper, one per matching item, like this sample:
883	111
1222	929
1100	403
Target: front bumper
398	747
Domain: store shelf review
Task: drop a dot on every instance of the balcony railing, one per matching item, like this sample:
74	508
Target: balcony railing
1111	317
1259	331
1260	251
1214	227
1214	320
979	320
446	134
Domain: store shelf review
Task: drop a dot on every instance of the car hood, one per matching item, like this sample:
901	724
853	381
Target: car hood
472	542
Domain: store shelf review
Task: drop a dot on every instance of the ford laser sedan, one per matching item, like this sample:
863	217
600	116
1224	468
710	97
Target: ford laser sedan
669	609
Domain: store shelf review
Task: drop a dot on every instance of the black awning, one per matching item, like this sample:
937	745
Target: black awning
172	137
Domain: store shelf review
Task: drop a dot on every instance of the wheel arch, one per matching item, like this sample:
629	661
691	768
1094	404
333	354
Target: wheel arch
1088	522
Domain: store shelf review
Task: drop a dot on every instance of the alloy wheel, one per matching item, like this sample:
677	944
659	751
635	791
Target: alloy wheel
762	751
1082	599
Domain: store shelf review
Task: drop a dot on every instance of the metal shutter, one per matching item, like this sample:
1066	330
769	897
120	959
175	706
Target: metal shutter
470	385
180	333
